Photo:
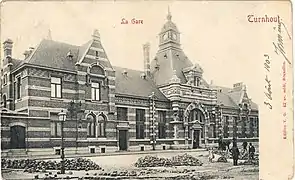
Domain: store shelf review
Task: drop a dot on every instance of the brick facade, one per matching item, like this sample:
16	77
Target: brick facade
90	86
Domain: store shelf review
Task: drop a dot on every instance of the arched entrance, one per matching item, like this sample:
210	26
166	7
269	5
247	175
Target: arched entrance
17	137
196	127
195	124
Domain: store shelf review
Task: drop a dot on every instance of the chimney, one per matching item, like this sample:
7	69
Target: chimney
27	53
143	75
7	46
96	35
238	86
146	59
70	55
124	72
211	82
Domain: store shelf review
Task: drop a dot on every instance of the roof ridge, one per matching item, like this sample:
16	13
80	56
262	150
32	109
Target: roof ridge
127	68
60	42
34	51
231	99
86	50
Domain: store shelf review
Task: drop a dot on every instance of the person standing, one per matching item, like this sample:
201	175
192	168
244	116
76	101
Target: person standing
220	143
251	151
211	155
235	153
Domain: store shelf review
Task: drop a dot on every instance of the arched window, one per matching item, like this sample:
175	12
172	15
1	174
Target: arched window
4	101
196	115
101	126
91	126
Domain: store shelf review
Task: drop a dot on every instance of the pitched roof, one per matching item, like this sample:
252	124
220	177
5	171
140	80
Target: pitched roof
54	54
168	61
230	97
16	63
133	84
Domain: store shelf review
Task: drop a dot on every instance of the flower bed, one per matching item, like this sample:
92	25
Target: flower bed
181	160
30	165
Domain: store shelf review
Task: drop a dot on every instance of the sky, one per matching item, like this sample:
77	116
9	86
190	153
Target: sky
215	35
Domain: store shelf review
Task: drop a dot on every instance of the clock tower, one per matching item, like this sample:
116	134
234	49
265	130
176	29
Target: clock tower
169	35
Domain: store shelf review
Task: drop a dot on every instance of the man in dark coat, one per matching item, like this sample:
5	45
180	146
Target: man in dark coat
245	144
220	143
251	151
235	152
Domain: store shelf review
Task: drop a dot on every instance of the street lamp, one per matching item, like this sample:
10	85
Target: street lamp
62	119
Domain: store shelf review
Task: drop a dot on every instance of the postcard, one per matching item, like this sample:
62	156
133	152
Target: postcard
168	90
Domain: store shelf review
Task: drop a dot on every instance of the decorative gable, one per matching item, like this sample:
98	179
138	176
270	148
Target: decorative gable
193	75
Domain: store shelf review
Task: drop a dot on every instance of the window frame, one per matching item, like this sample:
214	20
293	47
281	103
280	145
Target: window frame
4	99
140	126
225	126
120	115
91	126
55	87
5	79
162	125
101	127
56	133
95	91
18	83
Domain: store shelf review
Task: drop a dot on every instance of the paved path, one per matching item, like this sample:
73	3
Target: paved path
122	162
109	154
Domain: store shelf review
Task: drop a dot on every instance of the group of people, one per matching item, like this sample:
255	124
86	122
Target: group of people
235	152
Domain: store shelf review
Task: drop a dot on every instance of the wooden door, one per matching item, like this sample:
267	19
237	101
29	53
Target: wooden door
123	140
17	137
196	143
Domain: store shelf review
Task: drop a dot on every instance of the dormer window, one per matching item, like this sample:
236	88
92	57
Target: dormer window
196	81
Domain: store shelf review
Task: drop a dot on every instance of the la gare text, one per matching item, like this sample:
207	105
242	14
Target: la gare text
132	21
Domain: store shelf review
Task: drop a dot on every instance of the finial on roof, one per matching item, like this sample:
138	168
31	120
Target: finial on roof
96	34
174	78
169	16
49	37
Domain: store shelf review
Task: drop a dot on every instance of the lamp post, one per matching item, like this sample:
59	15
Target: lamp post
62	119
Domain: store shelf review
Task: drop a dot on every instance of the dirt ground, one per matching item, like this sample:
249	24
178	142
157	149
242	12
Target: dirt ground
215	170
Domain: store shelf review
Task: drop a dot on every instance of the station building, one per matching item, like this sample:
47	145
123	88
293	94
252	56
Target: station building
168	105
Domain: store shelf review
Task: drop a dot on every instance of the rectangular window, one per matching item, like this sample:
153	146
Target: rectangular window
122	114
56	87
95	91
55	129
5	79
225	126
140	119
235	126
18	87
162	124
243	127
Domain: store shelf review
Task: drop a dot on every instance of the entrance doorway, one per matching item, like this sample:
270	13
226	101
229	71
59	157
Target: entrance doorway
196	141
17	137
123	140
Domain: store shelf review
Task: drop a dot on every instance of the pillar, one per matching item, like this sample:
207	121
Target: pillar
206	129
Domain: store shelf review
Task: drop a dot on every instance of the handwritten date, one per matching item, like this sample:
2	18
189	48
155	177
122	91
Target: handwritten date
267	90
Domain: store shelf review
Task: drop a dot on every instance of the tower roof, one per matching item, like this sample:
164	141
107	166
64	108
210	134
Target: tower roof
169	24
